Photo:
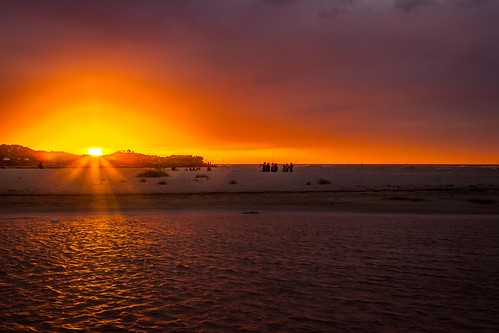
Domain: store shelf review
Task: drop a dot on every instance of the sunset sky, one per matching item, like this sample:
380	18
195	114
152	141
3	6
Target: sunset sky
247	81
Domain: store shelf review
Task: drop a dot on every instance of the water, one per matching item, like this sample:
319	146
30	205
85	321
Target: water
229	272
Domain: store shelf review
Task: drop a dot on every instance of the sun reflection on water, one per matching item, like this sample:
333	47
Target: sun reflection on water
227	272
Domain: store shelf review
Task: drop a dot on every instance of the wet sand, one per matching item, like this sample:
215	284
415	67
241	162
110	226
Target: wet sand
423	202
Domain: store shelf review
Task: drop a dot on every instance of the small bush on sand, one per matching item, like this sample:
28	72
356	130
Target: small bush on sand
322	181
153	174
142	180
162	182
202	176
233	182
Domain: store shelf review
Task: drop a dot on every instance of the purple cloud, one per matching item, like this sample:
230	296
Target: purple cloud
409	5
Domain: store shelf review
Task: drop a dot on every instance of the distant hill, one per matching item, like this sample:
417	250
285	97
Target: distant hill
131	159
16	155
19	156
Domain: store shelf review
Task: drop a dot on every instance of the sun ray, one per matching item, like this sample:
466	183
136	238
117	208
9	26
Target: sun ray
94	176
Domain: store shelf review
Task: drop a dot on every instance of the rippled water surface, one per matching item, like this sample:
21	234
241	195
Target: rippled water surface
271	272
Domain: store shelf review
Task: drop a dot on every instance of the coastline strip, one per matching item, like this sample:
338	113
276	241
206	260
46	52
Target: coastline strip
483	202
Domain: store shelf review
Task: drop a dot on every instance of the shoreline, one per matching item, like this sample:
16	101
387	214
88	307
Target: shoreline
465	202
363	189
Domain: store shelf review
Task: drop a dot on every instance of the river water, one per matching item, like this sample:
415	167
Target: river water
232	272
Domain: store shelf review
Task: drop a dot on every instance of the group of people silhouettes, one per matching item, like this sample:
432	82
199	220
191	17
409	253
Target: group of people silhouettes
273	167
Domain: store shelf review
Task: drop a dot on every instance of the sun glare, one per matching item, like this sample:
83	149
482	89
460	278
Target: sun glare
95	151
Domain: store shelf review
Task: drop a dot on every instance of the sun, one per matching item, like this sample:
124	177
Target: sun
95	151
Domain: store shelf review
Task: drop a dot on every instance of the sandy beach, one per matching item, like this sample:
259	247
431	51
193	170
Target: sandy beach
323	249
361	188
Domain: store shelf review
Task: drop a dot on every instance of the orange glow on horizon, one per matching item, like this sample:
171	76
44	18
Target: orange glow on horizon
115	111
105	109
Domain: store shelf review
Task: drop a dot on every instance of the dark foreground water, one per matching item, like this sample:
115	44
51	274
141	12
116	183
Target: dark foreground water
228	272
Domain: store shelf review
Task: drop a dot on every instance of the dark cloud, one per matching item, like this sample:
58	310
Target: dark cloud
471	3
336	9
409	5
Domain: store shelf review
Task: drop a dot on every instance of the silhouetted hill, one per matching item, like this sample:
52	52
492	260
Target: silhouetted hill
19	156
125	159
16	155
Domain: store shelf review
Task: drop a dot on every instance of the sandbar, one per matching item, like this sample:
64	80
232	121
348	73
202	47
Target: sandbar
365	189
